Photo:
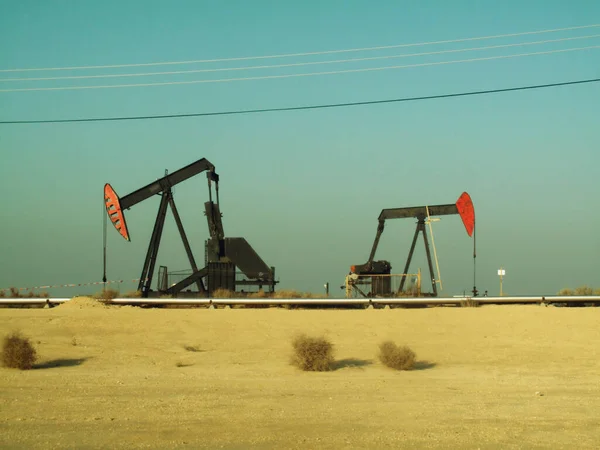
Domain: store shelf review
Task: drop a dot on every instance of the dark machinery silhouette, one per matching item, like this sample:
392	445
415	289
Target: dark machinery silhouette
381	286
224	256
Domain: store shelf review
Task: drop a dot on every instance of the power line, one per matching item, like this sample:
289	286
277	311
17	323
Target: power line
310	107
295	75
309	63
290	55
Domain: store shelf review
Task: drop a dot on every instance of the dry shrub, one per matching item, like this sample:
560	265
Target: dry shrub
16	293
469	303
412	291
191	348
584	290
291	293
13	292
581	290
314	354
287	293
106	294
18	352
565	291
223	293
284	293
132	294
396	357
258	294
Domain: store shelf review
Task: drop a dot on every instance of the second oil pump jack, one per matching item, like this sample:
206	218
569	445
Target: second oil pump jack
225	257
375	273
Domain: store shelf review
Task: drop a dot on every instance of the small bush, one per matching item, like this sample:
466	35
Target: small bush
132	294
396	357
581	290
312	353
106	294
291	293
191	348
469	303
223	293
584	290
18	352
258	294
13	292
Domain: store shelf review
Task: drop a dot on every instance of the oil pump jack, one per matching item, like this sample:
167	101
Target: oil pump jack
382	285
223	255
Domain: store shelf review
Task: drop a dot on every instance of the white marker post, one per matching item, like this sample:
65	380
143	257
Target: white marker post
501	273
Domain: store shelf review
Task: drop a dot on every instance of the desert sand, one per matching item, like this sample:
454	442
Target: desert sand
121	377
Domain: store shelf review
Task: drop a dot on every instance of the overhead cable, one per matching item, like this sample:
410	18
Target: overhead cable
295	75
299	108
290	55
308	63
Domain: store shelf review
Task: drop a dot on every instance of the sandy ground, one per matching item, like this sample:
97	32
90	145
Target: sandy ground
120	377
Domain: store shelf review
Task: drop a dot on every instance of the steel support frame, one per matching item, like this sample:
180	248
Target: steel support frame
420	229
151	254
195	277
145	283
186	243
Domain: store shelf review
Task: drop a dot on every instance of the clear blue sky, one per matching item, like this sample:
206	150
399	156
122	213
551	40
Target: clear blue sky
305	188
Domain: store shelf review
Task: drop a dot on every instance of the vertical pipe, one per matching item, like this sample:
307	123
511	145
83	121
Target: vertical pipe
474	259
433	284
437	266
105	214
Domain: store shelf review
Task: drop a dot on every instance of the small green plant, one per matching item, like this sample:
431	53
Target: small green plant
312	353
396	357
18	352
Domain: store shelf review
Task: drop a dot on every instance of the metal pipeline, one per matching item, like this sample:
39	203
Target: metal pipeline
320	301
